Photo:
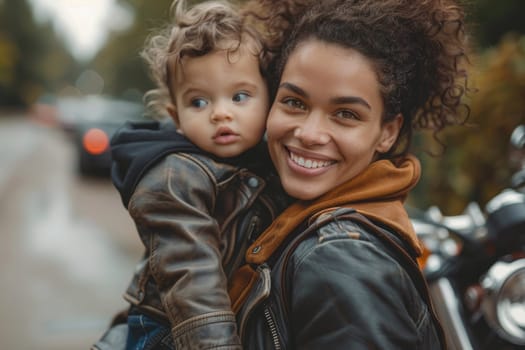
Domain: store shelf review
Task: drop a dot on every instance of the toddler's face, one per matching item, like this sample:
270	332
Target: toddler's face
221	101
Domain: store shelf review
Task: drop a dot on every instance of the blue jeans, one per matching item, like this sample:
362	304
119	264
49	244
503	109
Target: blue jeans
145	332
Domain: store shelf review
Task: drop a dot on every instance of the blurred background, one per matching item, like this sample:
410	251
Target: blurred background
70	73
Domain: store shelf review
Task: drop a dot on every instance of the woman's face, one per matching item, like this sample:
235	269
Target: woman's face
325	126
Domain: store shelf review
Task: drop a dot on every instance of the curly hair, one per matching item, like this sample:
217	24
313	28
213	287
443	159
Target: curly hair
418	47
193	32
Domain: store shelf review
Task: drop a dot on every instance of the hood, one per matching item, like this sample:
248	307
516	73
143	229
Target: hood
137	146
378	193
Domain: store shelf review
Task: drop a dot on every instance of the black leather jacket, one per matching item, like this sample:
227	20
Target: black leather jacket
339	286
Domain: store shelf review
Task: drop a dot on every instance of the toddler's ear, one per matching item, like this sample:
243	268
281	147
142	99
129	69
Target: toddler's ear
172	111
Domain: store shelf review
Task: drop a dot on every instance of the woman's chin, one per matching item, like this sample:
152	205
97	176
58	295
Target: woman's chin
301	191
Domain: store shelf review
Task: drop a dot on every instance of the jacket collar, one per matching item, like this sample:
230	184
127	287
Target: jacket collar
138	146
378	193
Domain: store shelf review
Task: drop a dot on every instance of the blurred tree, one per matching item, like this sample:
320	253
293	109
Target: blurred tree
491	20
32	60
475	165
119	62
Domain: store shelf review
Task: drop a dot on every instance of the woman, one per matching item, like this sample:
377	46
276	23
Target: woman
354	79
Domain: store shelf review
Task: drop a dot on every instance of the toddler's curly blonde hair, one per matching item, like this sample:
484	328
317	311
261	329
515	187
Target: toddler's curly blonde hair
194	32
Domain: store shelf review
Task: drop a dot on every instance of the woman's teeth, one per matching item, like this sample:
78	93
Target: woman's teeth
309	163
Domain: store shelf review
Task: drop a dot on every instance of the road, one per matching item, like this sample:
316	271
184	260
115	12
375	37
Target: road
68	248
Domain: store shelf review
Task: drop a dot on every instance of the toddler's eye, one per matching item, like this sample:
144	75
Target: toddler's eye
199	103
240	97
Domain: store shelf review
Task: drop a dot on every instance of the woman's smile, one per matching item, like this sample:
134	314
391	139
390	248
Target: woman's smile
306	160
309	163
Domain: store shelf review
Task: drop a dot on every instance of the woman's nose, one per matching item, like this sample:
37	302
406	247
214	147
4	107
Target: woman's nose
221	112
312	131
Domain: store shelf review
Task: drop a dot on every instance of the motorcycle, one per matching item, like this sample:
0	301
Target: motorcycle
475	266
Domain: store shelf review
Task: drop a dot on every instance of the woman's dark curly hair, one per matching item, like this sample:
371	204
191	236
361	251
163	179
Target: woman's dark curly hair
418	48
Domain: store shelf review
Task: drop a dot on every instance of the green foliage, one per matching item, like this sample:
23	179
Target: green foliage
32	60
475	165
119	62
8	58
491	20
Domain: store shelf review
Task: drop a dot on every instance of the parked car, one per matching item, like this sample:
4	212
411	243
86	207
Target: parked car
91	121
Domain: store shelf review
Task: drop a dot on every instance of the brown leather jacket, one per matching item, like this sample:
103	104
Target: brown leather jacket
191	229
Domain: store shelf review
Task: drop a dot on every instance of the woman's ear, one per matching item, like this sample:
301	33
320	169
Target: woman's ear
389	133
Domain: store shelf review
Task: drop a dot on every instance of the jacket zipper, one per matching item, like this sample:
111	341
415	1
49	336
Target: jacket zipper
272	327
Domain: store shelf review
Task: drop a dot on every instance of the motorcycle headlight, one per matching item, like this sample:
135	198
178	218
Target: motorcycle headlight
504	301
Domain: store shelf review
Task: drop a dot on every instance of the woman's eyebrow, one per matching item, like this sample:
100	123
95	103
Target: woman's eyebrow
294	88
337	100
350	100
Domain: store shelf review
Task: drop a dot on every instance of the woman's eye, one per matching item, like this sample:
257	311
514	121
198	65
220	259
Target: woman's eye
240	97
347	115
199	103
294	103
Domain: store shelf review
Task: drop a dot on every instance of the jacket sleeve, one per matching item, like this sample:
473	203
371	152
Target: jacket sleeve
348	294
173	209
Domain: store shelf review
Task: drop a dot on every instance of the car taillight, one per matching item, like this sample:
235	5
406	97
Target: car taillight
95	141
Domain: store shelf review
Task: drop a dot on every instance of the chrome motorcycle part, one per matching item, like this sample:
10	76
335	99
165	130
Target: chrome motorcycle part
504	301
506	215
447	308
